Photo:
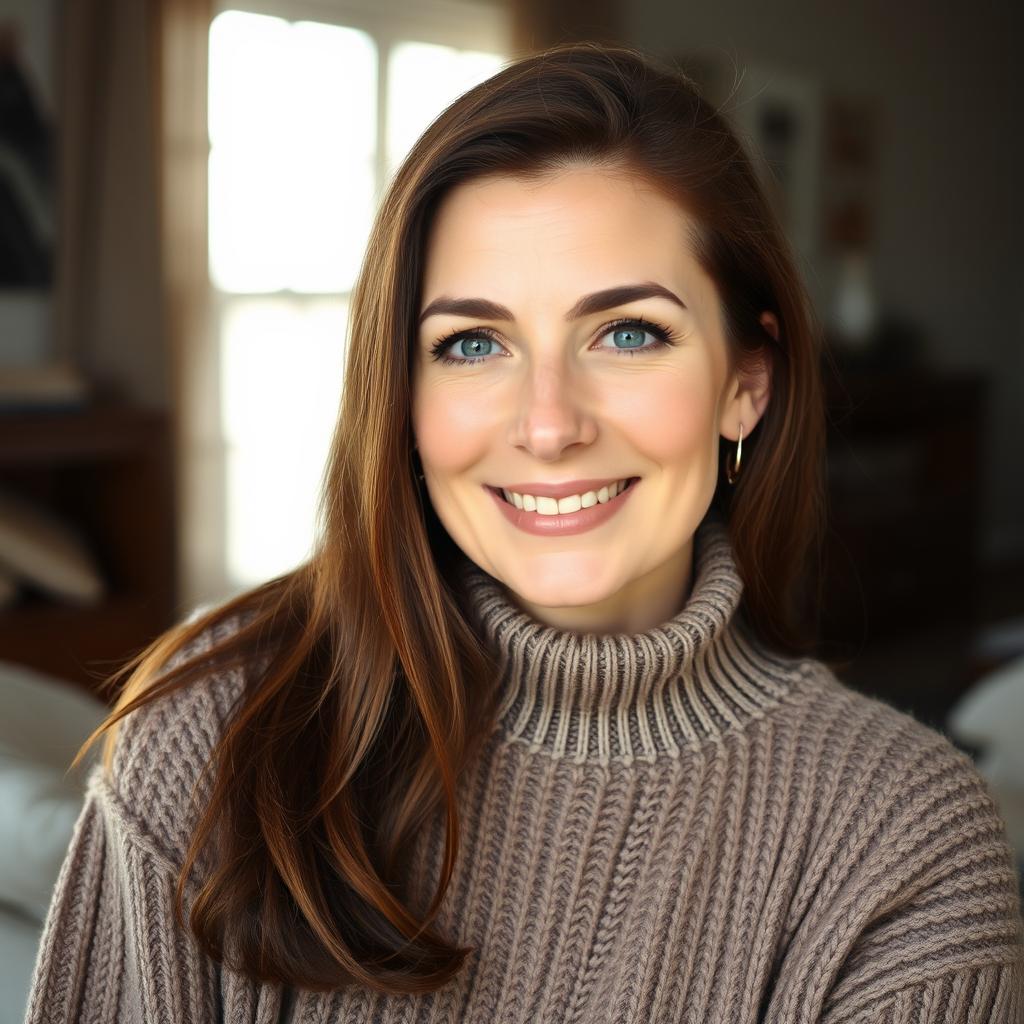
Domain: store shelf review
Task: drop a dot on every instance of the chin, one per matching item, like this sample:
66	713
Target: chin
566	581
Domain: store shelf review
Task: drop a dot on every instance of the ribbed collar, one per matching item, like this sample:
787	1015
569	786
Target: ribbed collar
639	696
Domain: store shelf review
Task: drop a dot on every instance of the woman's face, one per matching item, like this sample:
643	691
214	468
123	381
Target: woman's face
544	387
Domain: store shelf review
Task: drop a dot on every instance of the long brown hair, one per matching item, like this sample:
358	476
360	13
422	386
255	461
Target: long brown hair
364	693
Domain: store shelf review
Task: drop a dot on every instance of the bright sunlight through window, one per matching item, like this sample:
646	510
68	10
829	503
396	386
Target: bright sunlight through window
422	80
292	156
294	178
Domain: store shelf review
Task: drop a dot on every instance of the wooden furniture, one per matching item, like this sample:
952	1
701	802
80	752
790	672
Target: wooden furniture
106	470
905	486
904	489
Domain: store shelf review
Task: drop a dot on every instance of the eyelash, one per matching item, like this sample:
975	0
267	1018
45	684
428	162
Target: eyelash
665	338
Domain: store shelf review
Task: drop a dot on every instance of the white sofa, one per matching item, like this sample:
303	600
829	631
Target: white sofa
43	722
990	718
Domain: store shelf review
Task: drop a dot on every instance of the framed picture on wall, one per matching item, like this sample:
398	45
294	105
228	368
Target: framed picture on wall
778	115
27	182
34	371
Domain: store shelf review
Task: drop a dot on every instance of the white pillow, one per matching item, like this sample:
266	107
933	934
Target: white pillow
991	716
19	946
38	810
43	722
35	544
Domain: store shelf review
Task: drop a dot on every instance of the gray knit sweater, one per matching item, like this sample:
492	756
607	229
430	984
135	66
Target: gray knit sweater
677	825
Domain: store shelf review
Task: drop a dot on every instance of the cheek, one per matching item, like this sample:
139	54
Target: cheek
453	427
670	417
666	416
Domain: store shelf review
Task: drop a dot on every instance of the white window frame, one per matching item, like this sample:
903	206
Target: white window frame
463	24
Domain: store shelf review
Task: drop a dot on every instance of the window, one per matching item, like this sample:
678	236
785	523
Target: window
312	106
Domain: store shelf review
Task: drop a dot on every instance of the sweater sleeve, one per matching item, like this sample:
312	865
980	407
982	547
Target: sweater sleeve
942	940
111	949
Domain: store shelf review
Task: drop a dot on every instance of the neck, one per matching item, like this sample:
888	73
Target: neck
624	696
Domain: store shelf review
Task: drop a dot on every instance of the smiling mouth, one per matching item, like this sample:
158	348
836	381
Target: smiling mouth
630	481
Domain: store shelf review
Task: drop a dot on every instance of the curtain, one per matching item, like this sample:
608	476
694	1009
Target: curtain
180	46
132	280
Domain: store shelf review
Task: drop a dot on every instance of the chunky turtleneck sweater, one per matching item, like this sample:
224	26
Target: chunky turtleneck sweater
674	825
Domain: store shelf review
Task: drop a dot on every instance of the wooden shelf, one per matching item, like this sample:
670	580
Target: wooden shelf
82	645
96	433
107	471
901	553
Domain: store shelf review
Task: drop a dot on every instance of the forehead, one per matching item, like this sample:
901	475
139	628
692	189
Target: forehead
581	227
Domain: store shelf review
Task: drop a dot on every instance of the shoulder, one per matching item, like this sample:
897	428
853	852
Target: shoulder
158	781
906	837
892	760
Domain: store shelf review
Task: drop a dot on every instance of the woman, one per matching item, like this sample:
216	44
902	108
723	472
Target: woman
535	734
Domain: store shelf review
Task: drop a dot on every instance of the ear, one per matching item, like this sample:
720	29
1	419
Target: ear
749	389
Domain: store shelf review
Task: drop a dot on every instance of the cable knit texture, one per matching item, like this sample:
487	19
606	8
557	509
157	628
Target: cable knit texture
676	825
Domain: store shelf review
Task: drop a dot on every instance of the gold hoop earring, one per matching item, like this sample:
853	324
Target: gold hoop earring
732	474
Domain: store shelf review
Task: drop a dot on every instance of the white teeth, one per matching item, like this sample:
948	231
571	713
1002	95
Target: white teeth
561	506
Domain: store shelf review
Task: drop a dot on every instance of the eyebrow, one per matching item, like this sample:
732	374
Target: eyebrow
595	302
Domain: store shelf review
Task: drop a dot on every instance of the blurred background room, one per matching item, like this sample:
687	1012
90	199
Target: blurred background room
186	188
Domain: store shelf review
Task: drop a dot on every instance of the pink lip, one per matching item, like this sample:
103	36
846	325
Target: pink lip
562	490
562	525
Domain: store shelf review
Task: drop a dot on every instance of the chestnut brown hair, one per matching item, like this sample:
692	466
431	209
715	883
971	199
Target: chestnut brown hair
363	697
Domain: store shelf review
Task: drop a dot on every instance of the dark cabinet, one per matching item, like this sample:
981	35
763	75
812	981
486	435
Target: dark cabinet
904	489
901	556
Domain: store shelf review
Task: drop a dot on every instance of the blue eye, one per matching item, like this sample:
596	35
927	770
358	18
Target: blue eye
630	332
632	337
471	344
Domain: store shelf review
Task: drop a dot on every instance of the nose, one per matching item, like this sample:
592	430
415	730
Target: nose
552	413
